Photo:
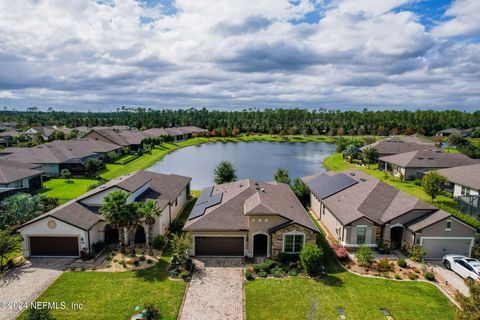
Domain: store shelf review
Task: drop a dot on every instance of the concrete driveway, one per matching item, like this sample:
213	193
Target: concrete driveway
24	284
453	279
216	291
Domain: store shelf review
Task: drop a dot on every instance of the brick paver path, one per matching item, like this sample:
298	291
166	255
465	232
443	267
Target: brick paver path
24	283
216	291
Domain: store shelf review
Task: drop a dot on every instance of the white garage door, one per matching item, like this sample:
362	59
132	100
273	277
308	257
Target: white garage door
436	248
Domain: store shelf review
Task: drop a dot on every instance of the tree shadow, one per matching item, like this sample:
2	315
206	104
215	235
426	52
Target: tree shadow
331	281
155	273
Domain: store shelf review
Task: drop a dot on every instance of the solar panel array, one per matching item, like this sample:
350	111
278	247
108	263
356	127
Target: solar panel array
205	201
324	185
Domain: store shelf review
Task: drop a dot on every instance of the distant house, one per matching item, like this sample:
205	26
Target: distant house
249	218
126	138
464	179
358	209
19	177
78	224
401	144
450	131
7	137
45	132
178	133
54	156
84	130
412	165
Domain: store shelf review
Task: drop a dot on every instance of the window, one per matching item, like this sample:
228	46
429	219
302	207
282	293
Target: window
465	191
361	234
293	243
449	225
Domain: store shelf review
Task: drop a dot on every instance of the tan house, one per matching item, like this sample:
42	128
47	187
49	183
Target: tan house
78	224
249	218
357	209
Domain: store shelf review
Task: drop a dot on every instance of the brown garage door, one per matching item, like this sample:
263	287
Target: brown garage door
219	246
54	246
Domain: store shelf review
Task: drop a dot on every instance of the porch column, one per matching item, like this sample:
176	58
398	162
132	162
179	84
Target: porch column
386	233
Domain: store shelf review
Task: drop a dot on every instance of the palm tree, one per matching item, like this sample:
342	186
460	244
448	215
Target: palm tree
118	212
149	211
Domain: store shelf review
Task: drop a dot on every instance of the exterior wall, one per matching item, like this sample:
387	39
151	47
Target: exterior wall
138	192
261	224
178	206
315	205
458	229
332	224
161	223
457	191
408	238
191	251
97	233
350	238
97	199
41	228
277	237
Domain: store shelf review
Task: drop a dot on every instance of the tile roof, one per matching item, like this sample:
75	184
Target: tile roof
468	176
431	158
248	197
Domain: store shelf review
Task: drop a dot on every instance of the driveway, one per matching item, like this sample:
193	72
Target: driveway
22	285
216	291
453	279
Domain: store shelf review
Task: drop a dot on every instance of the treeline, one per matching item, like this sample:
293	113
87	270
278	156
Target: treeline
272	121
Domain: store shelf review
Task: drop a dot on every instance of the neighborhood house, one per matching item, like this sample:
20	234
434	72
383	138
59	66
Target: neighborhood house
19	177
78	224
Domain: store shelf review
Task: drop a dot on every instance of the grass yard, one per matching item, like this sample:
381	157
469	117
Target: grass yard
106	295
58	188
335	162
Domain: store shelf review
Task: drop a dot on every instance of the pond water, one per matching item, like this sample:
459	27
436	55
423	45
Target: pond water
257	160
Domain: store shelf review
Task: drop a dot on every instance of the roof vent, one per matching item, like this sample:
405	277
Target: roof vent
262	189
241	185
420	158
363	179
430	158
352	174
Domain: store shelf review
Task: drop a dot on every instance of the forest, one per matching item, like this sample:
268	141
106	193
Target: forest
269	121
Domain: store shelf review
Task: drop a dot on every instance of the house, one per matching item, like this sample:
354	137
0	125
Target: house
400	144
83	130
10	125
178	133
358	209
412	165
7	137
45	132
55	156
19	177
125	138
249	218
78	224
450	131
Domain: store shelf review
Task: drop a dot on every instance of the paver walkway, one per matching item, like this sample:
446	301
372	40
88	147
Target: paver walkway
23	284
216	291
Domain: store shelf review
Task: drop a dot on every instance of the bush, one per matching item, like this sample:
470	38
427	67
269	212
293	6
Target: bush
151	312
249	275
429	276
286	258
108	258
340	252
277	272
98	246
122	263
412	276
293	273
258	267
383	265
262	274
402	263
364	256
268	265
158	242
311	257
39	314
398	277
149	261
141	257
136	263
185	275
94	185
416	253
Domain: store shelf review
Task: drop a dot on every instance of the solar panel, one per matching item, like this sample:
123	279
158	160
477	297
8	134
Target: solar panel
325	185
205	201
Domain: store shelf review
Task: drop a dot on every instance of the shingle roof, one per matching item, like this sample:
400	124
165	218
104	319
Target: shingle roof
398	145
123	138
175	131
430	158
45	130
370	198
248	197
427	220
11	171
468	176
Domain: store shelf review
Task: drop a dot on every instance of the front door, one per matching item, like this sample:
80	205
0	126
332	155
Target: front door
396	237
260	245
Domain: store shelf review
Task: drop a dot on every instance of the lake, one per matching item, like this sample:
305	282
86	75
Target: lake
257	160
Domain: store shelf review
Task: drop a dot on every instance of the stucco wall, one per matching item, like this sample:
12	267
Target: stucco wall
177	208
277	237
315	205
350	238
261	224
458	229
457	191
332	224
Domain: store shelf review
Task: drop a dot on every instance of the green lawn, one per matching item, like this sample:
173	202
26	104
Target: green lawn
106	295
58	188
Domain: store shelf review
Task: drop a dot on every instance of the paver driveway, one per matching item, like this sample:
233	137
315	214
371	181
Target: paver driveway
25	283
216	291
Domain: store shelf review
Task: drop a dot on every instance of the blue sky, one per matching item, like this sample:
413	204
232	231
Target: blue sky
339	54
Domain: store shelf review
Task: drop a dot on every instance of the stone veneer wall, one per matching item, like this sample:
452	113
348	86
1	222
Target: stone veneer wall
277	237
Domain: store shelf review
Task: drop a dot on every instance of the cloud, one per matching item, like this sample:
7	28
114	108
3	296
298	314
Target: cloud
353	53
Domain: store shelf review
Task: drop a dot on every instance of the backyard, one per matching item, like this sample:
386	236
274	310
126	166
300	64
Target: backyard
59	188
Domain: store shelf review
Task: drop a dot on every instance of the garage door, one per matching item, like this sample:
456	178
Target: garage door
219	246
54	246
437	248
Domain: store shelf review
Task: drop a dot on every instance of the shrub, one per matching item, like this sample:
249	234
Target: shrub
149	261
185	275
429	276
108	258
136	263
122	263
268	265
398	277
39	314
94	185
340	252
416	253
151	312
98	246
364	256
249	275
311	257
402	263
262	274
293	273
141	257
287	258
412	276
277	272
158	242
383	265
386	275
108	266
258	267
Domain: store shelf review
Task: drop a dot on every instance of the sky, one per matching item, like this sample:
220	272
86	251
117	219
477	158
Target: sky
336	54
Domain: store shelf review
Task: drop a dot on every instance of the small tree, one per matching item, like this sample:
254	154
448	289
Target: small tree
456	140
364	256
311	258
351	152
8	244
433	183
180	246
20	208
282	176
149	211
370	156
469	306
65	174
93	167
224	172
301	191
